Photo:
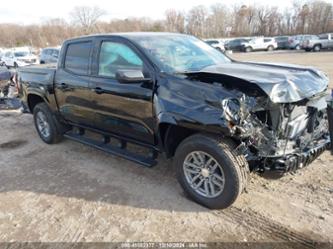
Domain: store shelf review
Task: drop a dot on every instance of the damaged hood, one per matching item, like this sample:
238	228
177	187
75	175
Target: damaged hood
283	83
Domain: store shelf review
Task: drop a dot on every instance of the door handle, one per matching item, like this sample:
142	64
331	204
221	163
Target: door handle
99	90
63	86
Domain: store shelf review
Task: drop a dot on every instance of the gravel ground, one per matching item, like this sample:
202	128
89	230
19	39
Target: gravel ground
71	192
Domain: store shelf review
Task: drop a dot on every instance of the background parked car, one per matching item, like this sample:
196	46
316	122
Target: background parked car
295	42
219	45
49	55
316	43
260	43
236	44
282	42
18	58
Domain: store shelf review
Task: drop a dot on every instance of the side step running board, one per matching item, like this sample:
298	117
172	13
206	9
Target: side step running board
120	150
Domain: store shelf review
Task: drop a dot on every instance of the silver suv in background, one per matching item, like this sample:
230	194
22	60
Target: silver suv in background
316	43
260	43
295	42
49	55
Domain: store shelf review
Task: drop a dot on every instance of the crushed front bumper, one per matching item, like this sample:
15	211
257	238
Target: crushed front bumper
292	162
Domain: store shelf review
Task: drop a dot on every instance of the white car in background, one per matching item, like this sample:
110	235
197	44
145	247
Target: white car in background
260	43
18	58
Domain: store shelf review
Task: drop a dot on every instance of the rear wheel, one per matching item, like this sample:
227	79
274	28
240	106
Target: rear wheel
270	48
298	47
209	171
47	125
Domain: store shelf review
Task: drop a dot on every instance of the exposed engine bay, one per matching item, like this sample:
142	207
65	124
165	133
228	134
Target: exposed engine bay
280	137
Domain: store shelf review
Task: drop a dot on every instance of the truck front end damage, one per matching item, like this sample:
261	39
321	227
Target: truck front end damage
279	137
278	113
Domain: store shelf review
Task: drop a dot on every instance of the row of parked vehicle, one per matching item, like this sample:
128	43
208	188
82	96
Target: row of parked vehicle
25	56
297	42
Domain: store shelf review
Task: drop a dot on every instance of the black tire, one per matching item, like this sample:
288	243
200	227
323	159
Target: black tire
317	48
248	49
235	169
42	62
270	48
308	50
298	47
56	129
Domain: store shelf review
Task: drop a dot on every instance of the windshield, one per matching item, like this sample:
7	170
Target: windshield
180	53
21	54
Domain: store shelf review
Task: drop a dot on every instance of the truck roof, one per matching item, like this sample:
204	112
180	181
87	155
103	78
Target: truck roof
127	35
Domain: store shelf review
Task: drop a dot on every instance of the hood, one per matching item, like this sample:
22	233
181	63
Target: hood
283	83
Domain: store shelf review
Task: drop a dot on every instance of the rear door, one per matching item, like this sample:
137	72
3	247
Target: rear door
123	109
72	83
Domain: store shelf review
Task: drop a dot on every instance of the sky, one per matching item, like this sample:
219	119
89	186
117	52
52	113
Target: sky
35	11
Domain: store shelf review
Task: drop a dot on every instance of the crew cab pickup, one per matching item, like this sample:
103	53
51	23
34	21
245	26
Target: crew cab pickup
219	119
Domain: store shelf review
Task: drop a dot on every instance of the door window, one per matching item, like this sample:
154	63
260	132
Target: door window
115	56
77	57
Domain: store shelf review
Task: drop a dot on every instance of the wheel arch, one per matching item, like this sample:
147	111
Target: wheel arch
33	99
172	135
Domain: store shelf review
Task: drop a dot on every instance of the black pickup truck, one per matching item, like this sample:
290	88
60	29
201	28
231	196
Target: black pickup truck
218	119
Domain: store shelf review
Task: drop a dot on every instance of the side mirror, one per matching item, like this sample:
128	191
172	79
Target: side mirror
131	76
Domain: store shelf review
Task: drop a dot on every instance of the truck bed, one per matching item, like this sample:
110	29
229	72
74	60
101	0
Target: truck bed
39	74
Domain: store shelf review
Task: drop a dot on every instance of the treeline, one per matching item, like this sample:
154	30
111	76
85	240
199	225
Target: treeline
313	17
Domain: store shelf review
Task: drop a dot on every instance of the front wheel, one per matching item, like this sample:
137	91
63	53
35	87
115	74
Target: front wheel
248	49
317	48
209	170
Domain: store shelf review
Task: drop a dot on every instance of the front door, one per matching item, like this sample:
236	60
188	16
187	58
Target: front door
123	109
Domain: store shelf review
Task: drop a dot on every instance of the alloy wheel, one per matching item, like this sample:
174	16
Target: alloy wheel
204	174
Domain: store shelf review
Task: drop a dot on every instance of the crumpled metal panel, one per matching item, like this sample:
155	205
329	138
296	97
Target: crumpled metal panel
283	83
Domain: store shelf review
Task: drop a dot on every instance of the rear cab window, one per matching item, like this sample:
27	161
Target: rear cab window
77	57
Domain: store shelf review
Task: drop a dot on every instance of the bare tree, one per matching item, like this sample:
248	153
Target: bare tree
175	21
86	17
320	14
196	21
218	20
